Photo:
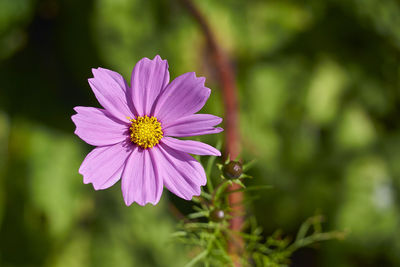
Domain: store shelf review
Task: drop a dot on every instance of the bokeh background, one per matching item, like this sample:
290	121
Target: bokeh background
319	86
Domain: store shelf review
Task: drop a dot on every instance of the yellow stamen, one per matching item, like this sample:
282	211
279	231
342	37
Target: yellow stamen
146	131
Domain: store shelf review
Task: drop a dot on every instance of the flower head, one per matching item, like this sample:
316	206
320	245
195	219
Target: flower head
134	133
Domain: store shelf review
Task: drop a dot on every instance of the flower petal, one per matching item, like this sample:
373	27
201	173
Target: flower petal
141	181
149	77
183	96
97	127
103	165
181	173
110	89
196	124
189	146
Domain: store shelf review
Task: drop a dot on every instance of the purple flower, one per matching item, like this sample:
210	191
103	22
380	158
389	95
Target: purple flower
134	132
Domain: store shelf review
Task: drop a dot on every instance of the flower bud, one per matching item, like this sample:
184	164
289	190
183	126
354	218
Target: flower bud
233	169
217	215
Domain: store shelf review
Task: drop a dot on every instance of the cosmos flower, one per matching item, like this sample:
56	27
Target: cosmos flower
134	133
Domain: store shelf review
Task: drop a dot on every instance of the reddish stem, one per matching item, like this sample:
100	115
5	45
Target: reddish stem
232	144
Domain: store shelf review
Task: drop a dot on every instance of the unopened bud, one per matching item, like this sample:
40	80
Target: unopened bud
217	215
233	169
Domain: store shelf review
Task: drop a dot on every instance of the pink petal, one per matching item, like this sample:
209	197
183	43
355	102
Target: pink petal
181	173
196	124
149	77
141	181
103	165
189	146
183	96
97	127
111	89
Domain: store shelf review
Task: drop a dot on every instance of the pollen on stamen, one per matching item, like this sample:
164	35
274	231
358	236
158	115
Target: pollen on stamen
145	131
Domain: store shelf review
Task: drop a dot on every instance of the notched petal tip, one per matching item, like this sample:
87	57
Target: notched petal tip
206	92
94	71
73	117
202	80
76	132
98	70
129	202
91	81
87	180
219	129
218	120
158	57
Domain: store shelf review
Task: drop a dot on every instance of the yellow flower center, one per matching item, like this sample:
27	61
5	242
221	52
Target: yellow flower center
145	131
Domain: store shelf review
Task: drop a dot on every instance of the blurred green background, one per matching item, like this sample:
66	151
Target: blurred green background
319	86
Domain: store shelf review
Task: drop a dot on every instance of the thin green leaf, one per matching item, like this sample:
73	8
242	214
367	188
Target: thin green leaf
179	234
197	259
248	165
237	181
205	195
199	214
